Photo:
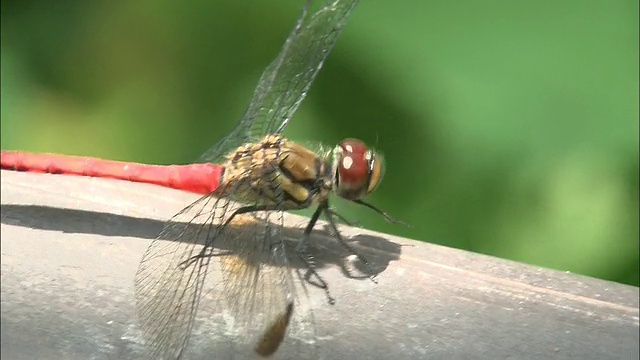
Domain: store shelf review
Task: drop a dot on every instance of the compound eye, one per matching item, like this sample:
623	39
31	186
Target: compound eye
359	169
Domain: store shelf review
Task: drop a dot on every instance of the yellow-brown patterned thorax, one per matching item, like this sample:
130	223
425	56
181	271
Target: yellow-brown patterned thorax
276	171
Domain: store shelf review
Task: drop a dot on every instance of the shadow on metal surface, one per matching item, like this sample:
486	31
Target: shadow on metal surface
69	258
325	250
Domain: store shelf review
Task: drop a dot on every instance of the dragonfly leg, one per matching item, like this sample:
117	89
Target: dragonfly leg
301	250
249	209
384	214
206	250
349	248
204	253
342	218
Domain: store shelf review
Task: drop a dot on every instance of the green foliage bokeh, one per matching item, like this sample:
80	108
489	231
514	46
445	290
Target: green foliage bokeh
508	128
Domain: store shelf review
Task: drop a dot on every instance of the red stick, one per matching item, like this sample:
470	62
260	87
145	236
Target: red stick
197	178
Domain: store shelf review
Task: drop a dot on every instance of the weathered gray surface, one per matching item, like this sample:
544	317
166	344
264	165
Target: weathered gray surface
71	245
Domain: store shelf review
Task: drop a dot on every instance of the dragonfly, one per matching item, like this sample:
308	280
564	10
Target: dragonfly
236	228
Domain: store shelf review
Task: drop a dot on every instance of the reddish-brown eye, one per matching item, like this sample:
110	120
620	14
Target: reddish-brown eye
359	169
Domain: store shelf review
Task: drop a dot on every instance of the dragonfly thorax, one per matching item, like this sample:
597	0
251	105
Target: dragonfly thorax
358	170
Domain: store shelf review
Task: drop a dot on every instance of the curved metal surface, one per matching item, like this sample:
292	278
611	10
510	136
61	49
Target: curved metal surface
71	245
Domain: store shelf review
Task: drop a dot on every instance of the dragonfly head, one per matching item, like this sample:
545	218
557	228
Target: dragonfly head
358	169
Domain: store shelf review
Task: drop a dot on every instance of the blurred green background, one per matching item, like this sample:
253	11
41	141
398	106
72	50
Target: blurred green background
509	128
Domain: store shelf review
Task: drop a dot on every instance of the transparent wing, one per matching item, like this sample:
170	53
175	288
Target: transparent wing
286	81
242	268
257	283
171	276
